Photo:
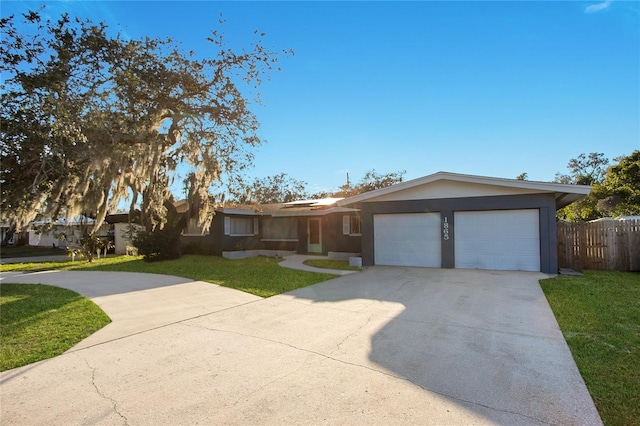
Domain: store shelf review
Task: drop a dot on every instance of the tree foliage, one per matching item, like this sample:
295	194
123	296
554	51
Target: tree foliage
585	170
89	120
279	188
621	187
615	192
370	181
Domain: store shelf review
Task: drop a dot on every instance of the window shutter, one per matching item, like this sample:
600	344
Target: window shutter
227	225
255	226
345	225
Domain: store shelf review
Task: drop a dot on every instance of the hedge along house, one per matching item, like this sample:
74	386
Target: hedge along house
305	227
448	220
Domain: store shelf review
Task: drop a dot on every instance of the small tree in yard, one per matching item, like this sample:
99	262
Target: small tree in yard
83	243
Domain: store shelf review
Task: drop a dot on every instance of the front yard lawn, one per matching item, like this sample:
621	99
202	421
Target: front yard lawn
599	315
261	276
40	322
340	265
30	251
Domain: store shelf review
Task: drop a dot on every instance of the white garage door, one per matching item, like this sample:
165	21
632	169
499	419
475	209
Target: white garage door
407	239
500	239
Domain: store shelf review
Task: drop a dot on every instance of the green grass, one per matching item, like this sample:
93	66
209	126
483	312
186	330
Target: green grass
29	251
40	322
599	315
261	276
341	265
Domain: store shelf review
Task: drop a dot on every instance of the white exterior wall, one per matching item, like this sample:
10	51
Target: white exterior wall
47	239
44	239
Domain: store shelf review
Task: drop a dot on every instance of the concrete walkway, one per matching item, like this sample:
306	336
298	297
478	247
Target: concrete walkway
384	346
296	261
137	302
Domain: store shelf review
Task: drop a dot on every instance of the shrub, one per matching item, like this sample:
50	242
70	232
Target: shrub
160	244
197	248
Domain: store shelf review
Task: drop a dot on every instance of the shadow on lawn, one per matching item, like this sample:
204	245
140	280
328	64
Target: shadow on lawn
28	300
96	283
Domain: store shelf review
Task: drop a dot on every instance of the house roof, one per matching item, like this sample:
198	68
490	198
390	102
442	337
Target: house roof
315	207
454	185
77	220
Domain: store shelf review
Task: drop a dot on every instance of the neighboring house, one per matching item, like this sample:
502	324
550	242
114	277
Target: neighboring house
121	234
306	227
448	220
47	234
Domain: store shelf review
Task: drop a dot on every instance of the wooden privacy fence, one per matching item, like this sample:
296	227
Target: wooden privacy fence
612	245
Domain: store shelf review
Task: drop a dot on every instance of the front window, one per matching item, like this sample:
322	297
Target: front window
241	226
354	227
280	228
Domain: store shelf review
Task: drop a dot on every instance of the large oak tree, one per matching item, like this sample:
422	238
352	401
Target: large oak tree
90	120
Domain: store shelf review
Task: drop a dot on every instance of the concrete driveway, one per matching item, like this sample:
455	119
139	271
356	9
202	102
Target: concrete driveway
385	346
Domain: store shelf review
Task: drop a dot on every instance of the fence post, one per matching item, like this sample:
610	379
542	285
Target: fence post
633	244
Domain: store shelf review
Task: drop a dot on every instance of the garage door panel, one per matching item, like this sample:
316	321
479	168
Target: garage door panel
407	239
500	239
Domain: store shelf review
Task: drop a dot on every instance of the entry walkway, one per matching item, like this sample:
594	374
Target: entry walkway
296	261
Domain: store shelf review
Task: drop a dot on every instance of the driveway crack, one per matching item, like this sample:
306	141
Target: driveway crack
375	370
266	385
114	403
340	343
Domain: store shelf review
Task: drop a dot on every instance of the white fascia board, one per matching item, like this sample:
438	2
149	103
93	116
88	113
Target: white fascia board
582	190
315	202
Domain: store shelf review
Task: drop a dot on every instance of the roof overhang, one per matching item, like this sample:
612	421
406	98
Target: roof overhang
564	194
307	213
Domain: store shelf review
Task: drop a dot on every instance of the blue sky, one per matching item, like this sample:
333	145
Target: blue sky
488	88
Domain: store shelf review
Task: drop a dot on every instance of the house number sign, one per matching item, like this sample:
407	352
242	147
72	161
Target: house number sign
445	228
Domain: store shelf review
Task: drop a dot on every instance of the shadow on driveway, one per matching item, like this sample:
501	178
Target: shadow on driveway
385	346
486	340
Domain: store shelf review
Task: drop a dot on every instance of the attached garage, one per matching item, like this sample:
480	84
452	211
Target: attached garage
451	220
497	239
411	239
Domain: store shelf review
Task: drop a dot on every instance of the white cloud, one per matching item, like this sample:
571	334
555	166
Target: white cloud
598	7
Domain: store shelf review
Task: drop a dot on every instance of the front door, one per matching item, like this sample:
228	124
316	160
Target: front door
314	235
